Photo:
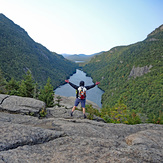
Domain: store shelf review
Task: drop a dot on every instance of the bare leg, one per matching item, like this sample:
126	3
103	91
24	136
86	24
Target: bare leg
84	113
73	109
83	110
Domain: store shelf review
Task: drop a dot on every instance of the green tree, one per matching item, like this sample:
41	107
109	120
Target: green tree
23	89
12	87
30	84
47	94
27	86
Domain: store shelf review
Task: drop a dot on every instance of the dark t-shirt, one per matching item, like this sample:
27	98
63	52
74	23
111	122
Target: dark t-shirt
76	87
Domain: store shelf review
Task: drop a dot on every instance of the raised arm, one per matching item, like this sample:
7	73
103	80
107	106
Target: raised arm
91	86
72	85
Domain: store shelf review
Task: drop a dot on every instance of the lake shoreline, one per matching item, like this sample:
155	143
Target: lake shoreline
94	94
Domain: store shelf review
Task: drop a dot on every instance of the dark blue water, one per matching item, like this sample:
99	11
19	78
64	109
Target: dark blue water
93	94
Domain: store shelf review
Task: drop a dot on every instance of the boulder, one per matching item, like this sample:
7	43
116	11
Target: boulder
24	105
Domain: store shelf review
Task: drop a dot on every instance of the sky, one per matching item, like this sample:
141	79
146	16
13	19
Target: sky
85	26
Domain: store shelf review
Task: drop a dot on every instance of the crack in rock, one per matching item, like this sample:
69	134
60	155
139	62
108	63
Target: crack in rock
5	97
39	141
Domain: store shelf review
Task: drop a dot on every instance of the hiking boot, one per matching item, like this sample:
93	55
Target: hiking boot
85	116
71	114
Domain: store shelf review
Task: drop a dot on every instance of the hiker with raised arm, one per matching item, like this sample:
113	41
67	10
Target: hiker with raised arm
81	94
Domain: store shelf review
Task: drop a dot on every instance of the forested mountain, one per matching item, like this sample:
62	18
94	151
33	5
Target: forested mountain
20	53
132	74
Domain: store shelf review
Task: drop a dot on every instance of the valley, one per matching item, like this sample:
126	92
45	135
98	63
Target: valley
131	75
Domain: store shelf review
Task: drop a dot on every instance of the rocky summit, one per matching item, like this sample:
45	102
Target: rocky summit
59	138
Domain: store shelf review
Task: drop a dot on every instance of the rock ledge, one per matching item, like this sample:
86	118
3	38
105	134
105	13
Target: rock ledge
62	139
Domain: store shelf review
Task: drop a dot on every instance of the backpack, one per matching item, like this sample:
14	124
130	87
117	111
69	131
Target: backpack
82	92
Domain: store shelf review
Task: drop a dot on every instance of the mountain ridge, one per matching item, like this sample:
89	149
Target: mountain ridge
20	53
157	30
113	69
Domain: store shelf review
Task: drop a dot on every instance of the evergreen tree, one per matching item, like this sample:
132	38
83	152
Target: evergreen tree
27	87
23	89
30	84
47	94
12	87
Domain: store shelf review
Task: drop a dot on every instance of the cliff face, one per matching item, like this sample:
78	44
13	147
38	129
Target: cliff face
60	138
139	71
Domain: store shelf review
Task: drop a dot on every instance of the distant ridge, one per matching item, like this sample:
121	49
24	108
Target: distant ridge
80	57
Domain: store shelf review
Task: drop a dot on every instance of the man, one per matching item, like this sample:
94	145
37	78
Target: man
80	94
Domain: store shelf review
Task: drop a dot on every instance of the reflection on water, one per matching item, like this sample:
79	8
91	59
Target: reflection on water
93	94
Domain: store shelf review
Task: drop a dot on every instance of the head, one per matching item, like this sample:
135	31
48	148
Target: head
81	83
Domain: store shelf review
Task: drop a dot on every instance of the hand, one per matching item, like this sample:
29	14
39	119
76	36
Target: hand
97	83
67	81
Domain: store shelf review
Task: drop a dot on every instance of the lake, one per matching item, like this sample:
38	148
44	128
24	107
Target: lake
93	94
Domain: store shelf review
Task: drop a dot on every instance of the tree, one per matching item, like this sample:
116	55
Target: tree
30	84
12	87
27	86
22	89
47	94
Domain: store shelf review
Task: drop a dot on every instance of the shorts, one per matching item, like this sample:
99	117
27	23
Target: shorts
77	101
